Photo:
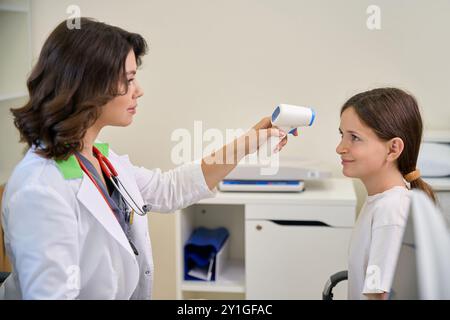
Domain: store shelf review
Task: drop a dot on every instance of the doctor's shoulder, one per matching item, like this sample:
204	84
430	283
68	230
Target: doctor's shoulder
35	172
391	208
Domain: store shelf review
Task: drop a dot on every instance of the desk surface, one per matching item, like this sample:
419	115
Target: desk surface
439	184
334	191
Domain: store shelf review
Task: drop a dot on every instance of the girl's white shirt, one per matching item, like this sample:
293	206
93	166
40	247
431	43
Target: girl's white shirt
376	241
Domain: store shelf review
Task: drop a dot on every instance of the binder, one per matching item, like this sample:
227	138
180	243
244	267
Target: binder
204	254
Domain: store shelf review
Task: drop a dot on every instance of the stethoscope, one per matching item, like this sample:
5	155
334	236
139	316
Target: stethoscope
111	175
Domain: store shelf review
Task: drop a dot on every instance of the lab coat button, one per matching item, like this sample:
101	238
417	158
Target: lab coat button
147	272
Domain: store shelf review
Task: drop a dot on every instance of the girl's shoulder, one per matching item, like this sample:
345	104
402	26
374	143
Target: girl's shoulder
390	208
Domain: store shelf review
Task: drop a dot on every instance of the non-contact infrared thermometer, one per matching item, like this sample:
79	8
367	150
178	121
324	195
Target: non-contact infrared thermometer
288	118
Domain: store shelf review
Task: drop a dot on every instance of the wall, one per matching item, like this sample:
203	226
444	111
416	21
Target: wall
9	138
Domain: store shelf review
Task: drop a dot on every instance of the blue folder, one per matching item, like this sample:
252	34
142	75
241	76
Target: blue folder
201	248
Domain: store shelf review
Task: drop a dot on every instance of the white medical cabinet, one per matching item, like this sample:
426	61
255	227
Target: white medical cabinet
282	245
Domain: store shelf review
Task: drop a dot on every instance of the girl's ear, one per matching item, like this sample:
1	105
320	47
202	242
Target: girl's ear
396	147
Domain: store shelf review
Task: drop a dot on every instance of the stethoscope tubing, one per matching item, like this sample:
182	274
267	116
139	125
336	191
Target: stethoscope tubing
111	173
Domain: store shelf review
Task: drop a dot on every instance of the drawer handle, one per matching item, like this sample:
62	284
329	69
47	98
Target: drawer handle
309	223
258	227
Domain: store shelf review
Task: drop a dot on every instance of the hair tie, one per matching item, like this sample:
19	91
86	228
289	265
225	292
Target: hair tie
413	175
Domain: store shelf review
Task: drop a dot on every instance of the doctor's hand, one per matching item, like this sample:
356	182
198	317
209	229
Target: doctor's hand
216	166
261	132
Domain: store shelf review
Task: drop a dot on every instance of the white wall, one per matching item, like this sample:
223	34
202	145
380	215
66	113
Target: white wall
12	150
228	63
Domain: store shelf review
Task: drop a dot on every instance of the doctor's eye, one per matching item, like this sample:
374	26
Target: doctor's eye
355	138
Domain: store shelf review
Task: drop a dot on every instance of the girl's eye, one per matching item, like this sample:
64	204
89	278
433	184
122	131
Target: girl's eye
130	80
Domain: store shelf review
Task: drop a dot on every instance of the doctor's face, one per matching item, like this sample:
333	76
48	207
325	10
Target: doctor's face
120	110
362	153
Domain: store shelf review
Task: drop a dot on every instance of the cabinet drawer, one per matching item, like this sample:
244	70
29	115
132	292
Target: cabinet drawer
337	216
293	261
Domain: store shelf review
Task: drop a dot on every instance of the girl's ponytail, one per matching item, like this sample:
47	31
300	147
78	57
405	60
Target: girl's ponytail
416	182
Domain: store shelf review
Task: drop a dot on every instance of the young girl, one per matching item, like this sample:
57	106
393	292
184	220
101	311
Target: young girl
381	133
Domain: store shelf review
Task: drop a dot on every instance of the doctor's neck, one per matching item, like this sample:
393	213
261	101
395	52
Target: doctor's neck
89	140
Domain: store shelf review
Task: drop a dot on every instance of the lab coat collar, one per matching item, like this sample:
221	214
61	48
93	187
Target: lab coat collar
91	198
70	168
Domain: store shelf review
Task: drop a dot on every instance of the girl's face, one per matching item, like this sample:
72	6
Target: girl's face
120	110
363	154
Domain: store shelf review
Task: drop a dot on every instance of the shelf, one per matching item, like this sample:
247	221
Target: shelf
14	7
439	184
233	280
437	136
442	136
5	97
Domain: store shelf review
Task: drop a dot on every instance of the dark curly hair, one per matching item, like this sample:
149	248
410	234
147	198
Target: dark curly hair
78	71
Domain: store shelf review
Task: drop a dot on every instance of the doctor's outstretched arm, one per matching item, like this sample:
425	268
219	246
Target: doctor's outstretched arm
192	182
216	166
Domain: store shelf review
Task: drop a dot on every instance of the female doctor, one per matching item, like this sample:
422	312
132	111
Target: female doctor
74	211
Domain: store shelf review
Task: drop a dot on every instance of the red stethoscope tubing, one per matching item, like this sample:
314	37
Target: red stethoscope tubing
106	166
111	173
83	167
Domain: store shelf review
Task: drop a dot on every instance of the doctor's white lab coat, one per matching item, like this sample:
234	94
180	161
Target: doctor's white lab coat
63	240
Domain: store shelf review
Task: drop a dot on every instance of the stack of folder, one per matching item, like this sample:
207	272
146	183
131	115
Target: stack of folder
202	253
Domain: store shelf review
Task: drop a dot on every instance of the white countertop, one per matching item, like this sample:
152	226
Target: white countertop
334	191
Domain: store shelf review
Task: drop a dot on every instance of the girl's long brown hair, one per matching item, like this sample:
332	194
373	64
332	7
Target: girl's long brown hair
78	72
391	113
